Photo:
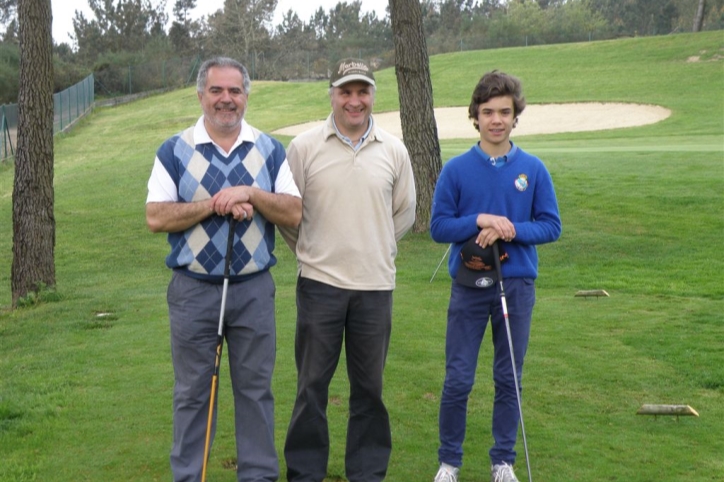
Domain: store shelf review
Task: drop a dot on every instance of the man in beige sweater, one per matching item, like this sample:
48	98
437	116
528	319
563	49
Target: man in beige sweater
358	200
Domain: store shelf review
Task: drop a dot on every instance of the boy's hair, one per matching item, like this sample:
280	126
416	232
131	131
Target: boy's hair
496	84
221	62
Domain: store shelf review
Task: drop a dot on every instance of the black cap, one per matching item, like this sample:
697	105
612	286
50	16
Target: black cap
477	266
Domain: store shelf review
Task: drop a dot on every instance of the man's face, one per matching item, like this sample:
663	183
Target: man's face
223	99
495	122
352	107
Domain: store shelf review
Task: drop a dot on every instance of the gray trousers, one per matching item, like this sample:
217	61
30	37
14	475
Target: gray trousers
250	341
327	317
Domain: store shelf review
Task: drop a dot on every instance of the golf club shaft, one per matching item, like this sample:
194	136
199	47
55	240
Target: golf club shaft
504	304
440	263
219	346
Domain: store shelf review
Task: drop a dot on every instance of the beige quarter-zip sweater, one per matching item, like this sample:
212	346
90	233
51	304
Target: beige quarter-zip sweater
356	205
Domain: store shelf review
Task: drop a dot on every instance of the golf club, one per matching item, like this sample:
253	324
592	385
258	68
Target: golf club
496	254
219	345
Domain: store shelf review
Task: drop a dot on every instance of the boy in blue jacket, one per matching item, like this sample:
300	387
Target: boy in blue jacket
495	191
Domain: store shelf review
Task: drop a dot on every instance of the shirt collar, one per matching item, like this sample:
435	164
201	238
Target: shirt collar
500	160
201	135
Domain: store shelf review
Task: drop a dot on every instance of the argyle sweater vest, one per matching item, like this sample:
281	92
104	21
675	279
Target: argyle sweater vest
199	172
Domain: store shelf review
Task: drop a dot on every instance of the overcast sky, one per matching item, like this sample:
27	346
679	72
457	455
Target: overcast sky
64	11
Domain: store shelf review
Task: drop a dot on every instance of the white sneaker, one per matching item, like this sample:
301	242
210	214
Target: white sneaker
447	473
502	473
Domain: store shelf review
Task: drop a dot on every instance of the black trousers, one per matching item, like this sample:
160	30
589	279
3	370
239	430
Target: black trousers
327	317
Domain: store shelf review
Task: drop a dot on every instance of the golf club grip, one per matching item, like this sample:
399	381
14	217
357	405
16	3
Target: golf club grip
496	255
229	247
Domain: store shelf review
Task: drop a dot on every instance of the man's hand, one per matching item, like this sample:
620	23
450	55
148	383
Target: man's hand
243	201
242	211
235	201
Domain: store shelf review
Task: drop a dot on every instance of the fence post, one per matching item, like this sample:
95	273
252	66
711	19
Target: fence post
60	111
5	134
3	146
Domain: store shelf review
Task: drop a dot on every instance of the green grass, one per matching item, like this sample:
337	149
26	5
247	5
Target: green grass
88	398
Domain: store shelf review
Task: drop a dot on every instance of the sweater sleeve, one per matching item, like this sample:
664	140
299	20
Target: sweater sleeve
403	196
447	223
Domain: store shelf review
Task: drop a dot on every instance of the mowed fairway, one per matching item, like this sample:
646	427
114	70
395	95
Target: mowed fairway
88	398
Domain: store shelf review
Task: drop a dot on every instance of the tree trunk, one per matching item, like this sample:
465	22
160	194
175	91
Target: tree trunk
419	130
699	19
33	220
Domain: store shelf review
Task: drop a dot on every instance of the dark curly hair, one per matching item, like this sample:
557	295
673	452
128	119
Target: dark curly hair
496	84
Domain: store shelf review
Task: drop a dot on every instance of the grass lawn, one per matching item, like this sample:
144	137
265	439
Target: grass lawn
88	398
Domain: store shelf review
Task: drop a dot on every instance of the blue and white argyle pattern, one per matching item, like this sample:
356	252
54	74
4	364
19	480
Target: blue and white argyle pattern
200	171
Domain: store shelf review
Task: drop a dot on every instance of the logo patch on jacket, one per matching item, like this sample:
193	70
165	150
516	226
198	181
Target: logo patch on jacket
521	184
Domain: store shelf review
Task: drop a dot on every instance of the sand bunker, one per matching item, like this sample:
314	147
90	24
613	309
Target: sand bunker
453	122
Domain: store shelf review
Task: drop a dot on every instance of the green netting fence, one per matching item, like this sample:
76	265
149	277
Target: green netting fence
68	106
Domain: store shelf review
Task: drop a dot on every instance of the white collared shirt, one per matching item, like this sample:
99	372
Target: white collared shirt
162	188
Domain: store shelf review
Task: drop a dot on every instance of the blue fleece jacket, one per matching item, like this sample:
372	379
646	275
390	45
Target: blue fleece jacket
521	190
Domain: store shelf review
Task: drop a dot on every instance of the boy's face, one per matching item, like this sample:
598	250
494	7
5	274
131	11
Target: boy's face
495	123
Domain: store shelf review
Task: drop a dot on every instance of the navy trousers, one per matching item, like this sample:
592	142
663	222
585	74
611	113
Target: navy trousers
469	312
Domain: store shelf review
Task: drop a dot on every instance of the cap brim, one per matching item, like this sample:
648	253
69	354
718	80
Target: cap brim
353	78
476	279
